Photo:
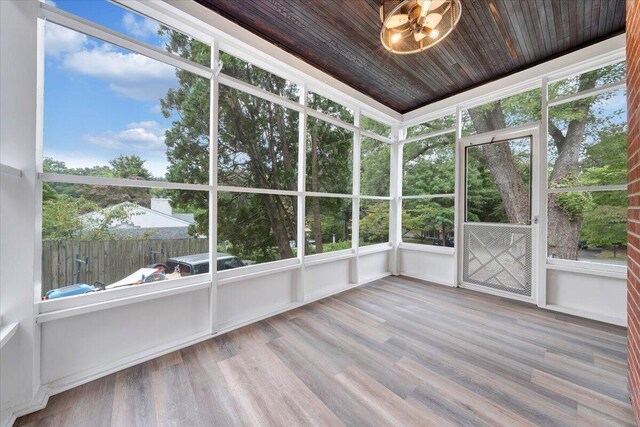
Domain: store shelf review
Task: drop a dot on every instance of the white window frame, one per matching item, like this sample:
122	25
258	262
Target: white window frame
601	268
166	14
404	141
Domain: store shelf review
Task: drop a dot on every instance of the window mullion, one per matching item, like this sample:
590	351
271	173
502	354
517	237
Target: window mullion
213	190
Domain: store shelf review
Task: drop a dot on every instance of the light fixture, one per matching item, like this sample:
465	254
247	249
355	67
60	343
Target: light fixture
407	23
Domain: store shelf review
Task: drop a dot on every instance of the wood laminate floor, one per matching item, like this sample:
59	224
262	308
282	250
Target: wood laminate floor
395	352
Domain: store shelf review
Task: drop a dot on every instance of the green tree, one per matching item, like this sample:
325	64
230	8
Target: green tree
424	218
571	127
75	218
374	221
329	158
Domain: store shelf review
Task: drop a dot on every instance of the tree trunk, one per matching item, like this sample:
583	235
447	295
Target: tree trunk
274	212
315	201
564	230
500	162
563	234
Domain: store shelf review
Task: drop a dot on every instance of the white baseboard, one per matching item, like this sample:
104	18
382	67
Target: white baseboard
587	314
413	276
38	402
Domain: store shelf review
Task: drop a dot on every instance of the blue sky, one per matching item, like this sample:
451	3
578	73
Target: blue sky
102	101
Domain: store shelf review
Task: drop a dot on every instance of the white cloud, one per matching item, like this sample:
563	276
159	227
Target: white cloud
140	27
60	40
141	137
146	124
129	74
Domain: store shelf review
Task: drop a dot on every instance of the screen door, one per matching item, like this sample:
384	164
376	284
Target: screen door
497	228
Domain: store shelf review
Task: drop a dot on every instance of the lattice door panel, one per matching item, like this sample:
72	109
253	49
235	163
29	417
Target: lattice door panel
498	257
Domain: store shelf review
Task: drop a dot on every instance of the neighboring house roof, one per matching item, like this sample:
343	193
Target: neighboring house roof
142	219
189	217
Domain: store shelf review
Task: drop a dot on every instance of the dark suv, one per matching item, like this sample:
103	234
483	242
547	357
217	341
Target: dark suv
199	264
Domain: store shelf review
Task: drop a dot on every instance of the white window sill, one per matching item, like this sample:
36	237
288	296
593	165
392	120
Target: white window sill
371	249
316	259
97	306
585	267
79	304
247	273
427	248
7	332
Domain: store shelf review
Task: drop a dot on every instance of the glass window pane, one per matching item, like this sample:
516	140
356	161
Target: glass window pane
588	140
588	226
589	80
257	228
428	221
374	222
110	15
329	107
111	112
499	182
328	224
515	110
374	167
242	70
446	122
429	166
117	235
375	126
329	158
257	142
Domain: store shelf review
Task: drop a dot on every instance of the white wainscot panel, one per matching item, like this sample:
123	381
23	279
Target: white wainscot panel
436	267
373	266
326	278
75	348
592	296
248	299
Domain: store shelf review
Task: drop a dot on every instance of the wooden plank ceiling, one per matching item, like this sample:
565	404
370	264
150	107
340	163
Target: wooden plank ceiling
493	39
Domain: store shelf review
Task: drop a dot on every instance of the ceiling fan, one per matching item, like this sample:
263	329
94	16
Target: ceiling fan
415	25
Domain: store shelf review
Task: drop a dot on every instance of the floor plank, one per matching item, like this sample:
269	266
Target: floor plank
391	353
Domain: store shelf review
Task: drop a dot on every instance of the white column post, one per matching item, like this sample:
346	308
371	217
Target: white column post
395	191
355	215
301	246
459	210
213	190
540	151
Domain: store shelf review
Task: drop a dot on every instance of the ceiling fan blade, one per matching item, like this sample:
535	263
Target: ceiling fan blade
432	20
436	4
397	20
419	36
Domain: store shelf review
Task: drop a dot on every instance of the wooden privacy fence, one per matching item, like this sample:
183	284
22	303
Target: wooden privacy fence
107	260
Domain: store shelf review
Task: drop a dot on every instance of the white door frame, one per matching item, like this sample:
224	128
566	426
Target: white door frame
530	129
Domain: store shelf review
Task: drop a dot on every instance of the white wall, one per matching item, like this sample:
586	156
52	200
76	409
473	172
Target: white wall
436	267
242	301
372	266
327	278
79	346
588	295
17	200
